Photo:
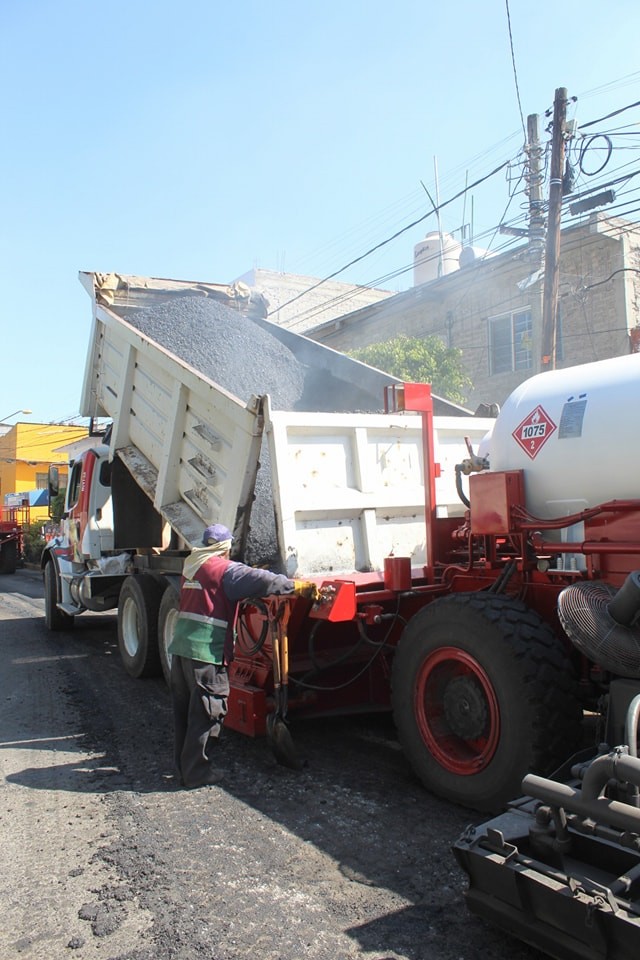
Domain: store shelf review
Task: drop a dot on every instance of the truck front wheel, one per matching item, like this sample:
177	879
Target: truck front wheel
54	618
138	608
482	693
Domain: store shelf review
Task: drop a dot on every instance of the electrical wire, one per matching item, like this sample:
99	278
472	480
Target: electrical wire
591	286
591	146
515	72
48	444
375	283
383	243
392	275
615	113
586	145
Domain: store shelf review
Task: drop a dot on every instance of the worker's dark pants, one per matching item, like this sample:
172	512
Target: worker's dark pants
199	694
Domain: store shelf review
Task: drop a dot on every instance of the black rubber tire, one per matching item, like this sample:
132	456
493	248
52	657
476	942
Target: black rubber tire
166	622
8	556
138	608
499	681
54	618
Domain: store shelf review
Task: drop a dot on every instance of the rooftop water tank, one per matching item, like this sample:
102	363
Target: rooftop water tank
435	256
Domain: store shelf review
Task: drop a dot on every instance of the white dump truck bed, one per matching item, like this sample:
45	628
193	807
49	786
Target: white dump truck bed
311	491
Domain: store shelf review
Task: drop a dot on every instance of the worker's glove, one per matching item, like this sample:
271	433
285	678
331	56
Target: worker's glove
306	588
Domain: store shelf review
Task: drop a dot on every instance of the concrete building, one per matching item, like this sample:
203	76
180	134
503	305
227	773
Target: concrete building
26	452
330	299
491	309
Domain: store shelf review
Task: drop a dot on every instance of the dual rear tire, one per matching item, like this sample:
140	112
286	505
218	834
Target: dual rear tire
147	608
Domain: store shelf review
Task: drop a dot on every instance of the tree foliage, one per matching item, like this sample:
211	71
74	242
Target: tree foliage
57	507
420	360
33	542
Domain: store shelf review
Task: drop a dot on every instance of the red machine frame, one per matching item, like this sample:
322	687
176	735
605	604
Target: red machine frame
347	667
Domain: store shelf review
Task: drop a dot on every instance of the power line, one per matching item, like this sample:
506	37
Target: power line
316	310
412	199
615	113
630	79
515	72
590	286
383	243
49	443
377	282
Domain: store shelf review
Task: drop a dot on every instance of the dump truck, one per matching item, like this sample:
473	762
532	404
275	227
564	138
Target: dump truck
477	578
218	415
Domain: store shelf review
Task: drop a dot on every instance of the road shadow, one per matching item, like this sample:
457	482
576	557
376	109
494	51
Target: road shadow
54	700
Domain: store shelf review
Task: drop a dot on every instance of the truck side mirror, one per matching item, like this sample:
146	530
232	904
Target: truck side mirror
53	482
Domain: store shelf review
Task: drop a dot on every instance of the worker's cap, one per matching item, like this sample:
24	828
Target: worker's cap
216	533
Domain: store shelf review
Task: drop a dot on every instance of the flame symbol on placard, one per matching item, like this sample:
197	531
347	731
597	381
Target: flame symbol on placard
536	417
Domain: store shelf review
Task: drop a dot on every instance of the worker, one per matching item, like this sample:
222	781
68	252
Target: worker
202	647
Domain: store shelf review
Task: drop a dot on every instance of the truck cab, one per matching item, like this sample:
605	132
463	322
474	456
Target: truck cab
73	563
88	521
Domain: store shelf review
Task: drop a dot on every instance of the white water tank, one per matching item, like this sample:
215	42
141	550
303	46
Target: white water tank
435	256
574	433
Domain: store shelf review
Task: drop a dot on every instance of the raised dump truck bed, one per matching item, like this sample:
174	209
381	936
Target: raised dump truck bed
194	376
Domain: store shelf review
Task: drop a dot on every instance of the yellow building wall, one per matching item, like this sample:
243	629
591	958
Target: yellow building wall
28	449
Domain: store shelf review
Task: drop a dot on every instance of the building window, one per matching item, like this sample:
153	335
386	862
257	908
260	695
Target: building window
510	342
42	481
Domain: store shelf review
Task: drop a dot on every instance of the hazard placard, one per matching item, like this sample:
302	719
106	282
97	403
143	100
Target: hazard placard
534	431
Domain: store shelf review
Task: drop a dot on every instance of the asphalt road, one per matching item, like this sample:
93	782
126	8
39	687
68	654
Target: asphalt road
103	857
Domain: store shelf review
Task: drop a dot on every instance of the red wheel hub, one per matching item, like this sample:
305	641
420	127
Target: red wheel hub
457	711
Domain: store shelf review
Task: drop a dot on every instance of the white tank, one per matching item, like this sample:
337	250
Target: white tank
430	261
574	432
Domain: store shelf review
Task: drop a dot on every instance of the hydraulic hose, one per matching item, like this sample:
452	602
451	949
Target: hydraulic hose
259	643
460	491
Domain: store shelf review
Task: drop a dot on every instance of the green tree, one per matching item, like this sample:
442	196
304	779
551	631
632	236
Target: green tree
420	360
57	507
33	542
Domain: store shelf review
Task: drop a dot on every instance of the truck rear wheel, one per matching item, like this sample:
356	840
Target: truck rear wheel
138	608
8	556
482	693
54	618
166	624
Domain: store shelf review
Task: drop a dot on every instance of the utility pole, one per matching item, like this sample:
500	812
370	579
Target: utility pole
552	257
536	230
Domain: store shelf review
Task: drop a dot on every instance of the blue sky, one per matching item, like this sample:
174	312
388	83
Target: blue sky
198	140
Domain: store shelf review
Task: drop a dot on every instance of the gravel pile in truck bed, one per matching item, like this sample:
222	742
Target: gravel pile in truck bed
245	359
230	349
